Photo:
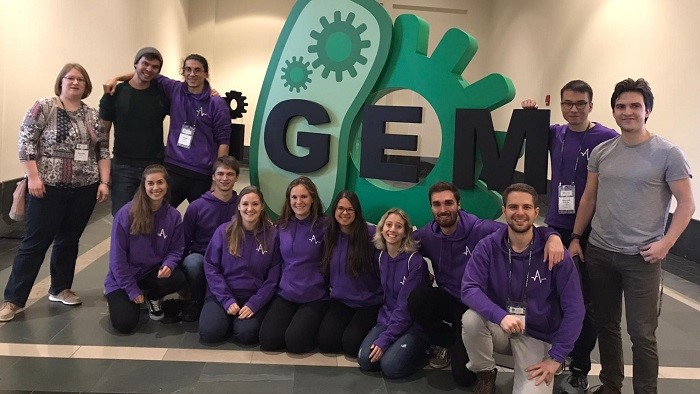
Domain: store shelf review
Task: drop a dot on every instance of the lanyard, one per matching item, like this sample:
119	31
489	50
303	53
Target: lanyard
191	109
73	123
561	154
523	294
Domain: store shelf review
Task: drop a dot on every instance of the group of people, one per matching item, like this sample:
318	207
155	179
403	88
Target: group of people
336	283
64	147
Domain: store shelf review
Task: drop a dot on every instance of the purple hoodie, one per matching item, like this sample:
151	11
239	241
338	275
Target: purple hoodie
366	289
253	275
576	145
202	217
554	302
302	249
133	256
212	121
400	276
449	254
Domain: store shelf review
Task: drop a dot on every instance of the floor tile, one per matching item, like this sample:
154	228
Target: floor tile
50	374
148	377
310	380
294	359
209	355
120	353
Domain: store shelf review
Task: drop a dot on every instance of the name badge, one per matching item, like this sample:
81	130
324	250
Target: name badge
567	200
186	134
81	152
517	309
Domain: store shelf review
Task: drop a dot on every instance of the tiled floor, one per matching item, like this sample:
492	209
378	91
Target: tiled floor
55	348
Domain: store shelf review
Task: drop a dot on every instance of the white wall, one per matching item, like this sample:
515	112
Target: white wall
539	44
37	37
542	44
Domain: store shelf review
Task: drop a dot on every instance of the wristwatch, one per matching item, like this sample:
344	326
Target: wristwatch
575	236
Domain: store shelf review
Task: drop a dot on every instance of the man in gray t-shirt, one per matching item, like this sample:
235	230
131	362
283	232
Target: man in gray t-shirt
631	179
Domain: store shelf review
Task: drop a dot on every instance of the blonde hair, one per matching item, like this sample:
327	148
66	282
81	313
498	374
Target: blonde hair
408	244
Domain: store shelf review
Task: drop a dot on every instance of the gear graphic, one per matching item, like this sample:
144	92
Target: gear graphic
338	46
445	90
239	98
296	74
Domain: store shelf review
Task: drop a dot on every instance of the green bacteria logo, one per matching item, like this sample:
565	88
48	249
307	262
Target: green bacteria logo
313	126
339	45
296	74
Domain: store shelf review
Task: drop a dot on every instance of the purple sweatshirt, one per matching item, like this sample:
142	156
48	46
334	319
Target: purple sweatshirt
449	254
554	302
253	275
202	217
301	247
133	256
400	276
575	145
212	121
366	289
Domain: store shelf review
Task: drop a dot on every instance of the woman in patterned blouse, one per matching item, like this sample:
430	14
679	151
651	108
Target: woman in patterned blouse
65	152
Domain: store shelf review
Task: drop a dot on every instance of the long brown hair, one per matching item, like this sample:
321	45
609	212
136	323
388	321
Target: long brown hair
316	205
359	258
235	233
140	212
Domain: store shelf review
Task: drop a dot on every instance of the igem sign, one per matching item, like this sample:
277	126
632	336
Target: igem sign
317	117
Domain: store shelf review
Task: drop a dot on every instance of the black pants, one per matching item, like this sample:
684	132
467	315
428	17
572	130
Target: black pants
581	353
440	314
184	187
343	328
216	325
292	326
124	313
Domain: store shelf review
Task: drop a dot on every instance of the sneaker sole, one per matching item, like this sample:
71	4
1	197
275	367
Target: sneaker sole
2	320
64	302
304	66
156	318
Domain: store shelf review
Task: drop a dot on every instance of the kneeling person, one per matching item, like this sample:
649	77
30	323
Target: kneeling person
517	305
147	243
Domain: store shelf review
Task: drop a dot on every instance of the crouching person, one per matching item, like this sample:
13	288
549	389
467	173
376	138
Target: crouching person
242	267
147	244
396	345
517	305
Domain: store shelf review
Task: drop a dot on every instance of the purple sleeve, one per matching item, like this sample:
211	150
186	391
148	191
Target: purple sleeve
169	86
177	244
401	320
475	282
213	258
221	124
189	224
269	286
571	301
119	256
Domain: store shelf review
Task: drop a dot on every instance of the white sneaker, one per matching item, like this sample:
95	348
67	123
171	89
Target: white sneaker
67	296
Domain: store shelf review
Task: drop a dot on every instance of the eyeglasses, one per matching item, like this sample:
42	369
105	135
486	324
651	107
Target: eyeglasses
74	79
578	104
196	71
345	210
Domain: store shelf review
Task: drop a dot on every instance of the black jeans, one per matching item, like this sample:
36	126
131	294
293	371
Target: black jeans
59	217
216	325
440	314
292	326
344	328
125	181
581	353
124	313
183	187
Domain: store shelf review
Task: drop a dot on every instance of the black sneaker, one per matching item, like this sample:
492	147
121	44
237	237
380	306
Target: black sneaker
192	311
576	383
155	312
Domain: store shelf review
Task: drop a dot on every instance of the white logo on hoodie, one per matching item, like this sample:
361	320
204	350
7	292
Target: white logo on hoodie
260	249
162	233
313	239
467	252
538	277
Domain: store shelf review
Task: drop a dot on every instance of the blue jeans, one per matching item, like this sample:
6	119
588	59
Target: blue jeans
125	181
60	217
403	357
612	276
215	324
193	266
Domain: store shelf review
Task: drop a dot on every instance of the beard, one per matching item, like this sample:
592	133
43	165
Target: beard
447	220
